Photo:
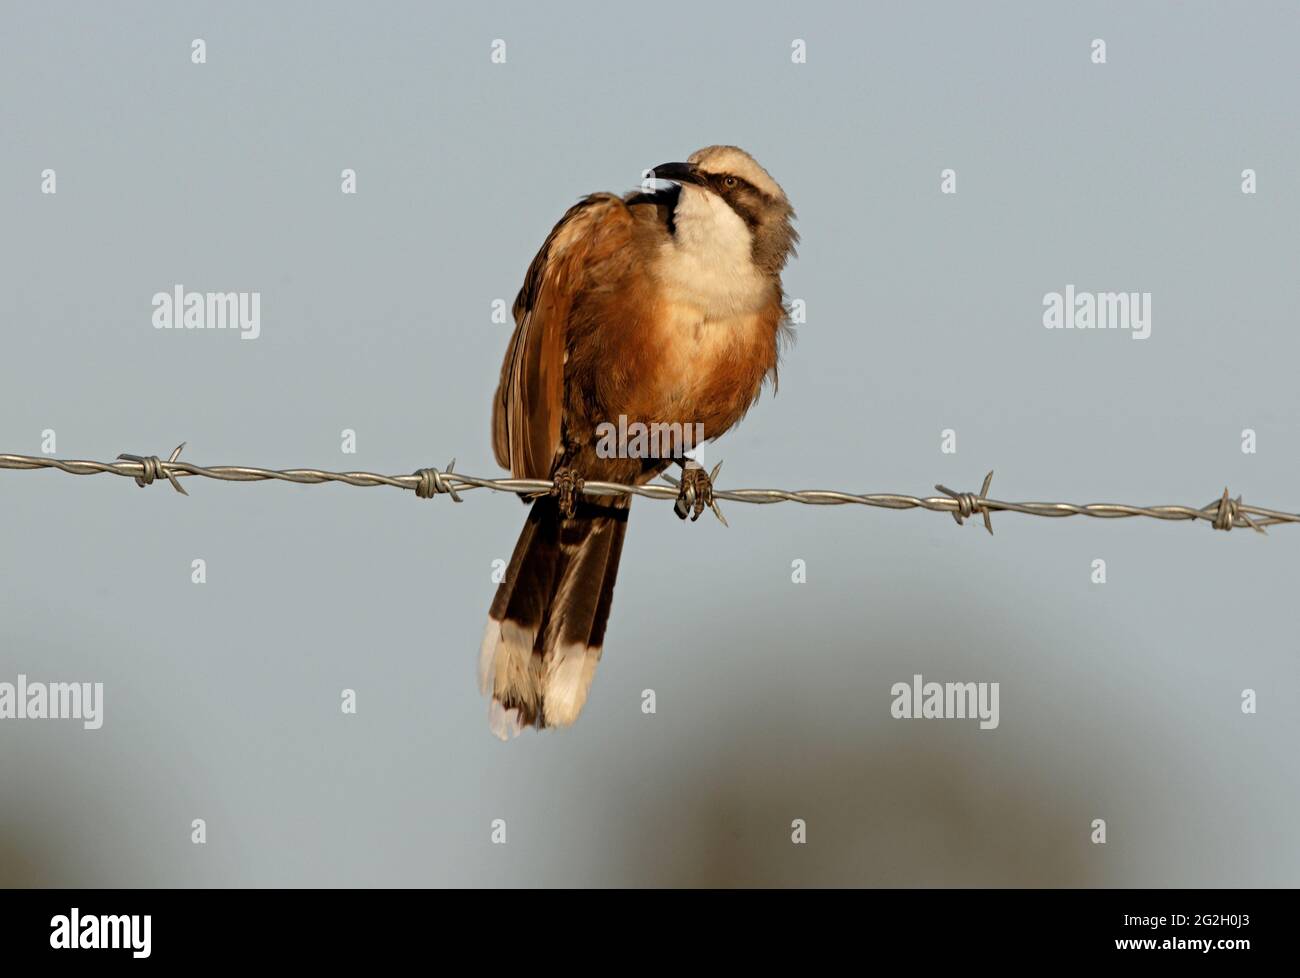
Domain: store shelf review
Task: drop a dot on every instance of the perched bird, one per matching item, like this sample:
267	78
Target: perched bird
661	307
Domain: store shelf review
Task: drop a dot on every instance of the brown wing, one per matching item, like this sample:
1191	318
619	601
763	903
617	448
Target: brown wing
527	413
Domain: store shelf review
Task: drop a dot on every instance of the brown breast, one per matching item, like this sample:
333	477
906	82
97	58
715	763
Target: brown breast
700	370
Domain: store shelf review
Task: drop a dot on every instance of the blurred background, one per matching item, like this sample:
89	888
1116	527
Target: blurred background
1119	701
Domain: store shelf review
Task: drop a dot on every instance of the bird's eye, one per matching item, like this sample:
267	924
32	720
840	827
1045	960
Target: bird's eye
729	182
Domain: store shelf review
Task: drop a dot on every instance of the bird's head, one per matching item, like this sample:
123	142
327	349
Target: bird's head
733	177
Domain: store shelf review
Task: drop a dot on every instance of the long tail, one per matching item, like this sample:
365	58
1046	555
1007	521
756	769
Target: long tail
547	624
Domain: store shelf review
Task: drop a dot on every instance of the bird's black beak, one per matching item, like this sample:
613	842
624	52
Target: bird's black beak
679	172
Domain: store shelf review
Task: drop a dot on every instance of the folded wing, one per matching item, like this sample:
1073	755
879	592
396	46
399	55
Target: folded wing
528	412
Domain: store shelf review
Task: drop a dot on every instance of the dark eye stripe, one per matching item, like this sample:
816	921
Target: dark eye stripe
720	183
738	197
747	213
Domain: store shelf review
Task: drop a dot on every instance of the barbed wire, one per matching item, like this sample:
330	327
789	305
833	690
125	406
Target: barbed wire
1223	513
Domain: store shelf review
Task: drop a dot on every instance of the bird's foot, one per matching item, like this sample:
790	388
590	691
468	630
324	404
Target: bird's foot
568	487
695	492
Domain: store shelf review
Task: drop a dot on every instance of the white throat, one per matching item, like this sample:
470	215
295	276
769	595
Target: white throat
709	263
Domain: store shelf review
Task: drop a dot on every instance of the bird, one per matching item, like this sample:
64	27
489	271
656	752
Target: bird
662	306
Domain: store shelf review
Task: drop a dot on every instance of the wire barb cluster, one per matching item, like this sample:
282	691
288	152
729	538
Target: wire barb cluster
1224	513
432	482
151	467
968	503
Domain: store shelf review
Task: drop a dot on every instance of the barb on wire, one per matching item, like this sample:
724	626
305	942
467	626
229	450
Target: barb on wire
431	482
151	466
968	503
1224	513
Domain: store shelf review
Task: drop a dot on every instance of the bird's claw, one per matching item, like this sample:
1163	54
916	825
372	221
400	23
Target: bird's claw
695	492
567	488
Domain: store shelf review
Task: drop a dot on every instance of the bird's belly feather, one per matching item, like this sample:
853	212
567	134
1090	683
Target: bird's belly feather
704	370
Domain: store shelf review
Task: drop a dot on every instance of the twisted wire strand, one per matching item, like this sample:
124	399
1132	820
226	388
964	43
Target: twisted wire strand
1223	513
